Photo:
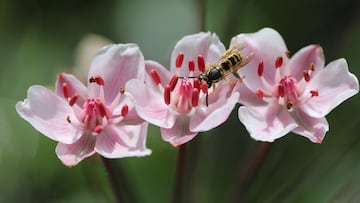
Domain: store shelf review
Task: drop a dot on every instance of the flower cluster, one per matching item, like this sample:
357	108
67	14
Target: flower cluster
197	93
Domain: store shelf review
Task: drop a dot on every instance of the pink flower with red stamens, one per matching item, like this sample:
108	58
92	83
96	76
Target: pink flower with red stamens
282	95
97	118
175	100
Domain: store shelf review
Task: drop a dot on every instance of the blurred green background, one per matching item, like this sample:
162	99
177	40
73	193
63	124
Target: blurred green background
39	39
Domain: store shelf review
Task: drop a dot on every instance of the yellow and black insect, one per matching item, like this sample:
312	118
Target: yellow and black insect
231	61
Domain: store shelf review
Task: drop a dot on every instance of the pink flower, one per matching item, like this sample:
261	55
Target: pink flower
282	94
97	118
177	103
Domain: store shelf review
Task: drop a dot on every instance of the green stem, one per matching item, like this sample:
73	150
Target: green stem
114	182
178	183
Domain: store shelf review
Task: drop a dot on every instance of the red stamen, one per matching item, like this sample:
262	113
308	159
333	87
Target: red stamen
204	87
167	95
195	97
124	110
196	83
306	76
314	93
155	76
261	68
179	60
260	94
201	63
278	62
281	90
173	82
66	90
97	79
73	99
98	129
191	65
102	109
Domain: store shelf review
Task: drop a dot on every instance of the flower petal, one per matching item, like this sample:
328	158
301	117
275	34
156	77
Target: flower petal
163	73
265	45
302	60
335	84
266	123
149	104
117	64
204	43
248	97
312	128
214	115
72	154
75	86
123	141
49	114
179	133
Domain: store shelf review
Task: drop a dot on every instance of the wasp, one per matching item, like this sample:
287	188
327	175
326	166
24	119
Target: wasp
230	62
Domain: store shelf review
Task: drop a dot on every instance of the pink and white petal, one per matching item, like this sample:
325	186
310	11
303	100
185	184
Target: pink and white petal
149	104
75	86
124	141
163	73
334	84
179	134
204	43
117	64
49	114
132	117
302	60
72	154
312	128
266	123
248	97
214	115
265	45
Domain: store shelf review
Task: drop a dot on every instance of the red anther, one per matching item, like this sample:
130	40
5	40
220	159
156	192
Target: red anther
73	99
98	129
260	93
124	110
179	60
167	92
281	90
155	76
204	87
97	79
191	65
306	76
195	97
173	82
278	62
196	83
260	68
312	66
65	88
102	109
314	93
201	63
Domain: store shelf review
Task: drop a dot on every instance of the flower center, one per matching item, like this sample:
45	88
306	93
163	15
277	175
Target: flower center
186	95
287	91
94	115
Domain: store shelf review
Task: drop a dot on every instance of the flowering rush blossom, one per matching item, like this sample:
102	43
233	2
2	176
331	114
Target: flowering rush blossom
97	118
175	100
282	95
